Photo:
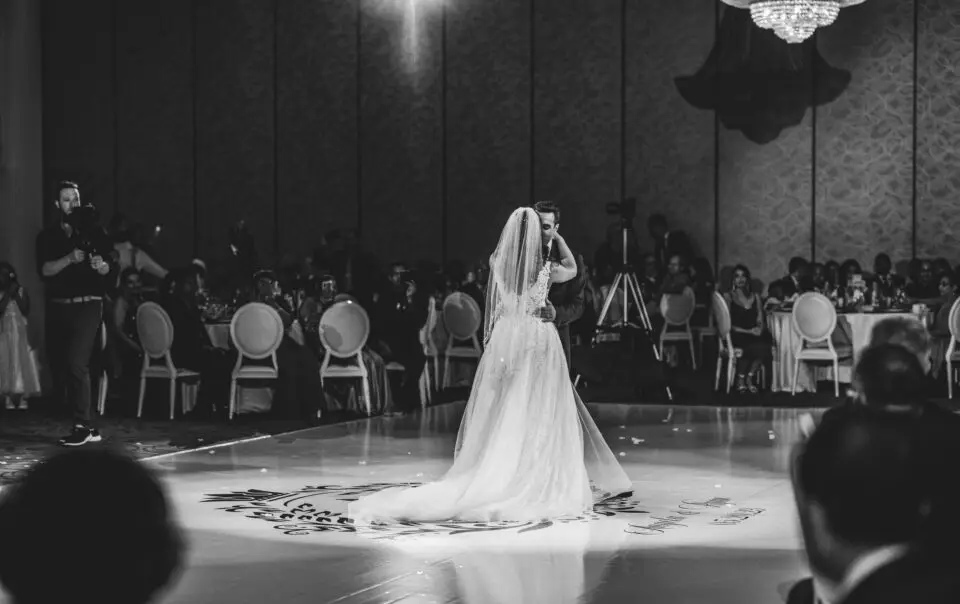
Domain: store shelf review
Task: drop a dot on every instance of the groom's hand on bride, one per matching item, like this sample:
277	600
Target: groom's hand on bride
548	313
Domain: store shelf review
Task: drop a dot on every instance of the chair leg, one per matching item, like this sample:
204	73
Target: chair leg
716	382
173	397
102	393
693	355
446	372
233	399
836	379
143	391
366	395
949	379
436	371
796	376
731	371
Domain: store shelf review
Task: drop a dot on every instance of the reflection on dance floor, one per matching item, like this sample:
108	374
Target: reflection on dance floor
711	518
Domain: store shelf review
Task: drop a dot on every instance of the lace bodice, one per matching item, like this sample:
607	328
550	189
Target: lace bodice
536	299
538	295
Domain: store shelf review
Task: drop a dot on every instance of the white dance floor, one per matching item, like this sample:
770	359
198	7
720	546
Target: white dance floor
711	520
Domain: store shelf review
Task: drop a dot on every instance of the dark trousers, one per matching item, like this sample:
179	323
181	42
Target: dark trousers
409	353
73	330
299	389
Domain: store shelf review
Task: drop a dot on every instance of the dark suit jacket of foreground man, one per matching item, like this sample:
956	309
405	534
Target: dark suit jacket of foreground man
567	298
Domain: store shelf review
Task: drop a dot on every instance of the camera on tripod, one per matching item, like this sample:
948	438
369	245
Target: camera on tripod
89	235
626	209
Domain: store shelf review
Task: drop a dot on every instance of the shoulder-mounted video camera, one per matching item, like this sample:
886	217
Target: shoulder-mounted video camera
89	235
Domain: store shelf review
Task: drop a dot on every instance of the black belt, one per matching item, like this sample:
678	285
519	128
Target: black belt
77	300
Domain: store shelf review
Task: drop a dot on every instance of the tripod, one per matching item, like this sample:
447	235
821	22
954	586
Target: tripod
627	283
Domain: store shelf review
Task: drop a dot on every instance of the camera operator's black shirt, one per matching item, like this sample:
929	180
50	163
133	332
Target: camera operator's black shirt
76	280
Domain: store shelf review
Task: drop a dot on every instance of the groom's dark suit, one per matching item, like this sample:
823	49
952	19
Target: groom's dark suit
567	298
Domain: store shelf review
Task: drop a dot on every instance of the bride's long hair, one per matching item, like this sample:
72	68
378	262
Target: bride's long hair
514	267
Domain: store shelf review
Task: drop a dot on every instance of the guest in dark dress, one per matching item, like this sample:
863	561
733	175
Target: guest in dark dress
747	331
299	391
192	348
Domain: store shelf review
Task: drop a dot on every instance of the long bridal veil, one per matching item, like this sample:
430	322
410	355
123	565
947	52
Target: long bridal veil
527	448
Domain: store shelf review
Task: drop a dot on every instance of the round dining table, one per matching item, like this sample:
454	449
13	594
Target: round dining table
852	333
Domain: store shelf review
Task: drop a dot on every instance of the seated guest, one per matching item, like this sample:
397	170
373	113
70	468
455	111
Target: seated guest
832	268
849	270
123	504
299	390
747	329
192	348
816	281
940	331
123	324
337	394
320	296
649	278
788	287
885	282
869	505
676	280
667	243
400	314
922	288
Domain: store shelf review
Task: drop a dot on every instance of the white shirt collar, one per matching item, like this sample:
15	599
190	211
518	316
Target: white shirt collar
859	571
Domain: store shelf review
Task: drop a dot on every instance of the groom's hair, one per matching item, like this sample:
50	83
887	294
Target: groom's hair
548	207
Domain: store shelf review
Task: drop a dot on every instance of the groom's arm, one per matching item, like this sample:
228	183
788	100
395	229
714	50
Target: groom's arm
570	311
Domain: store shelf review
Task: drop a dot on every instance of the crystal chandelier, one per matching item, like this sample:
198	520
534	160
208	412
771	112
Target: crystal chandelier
793	20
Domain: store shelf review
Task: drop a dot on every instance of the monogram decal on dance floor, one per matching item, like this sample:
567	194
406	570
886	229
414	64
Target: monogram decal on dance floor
302	513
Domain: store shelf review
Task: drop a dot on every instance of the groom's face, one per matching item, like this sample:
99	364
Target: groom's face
548	226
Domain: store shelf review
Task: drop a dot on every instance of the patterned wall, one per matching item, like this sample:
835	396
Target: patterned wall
865	138
670	151
428	127
938	130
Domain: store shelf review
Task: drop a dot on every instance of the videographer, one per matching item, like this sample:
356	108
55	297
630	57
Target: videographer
72	258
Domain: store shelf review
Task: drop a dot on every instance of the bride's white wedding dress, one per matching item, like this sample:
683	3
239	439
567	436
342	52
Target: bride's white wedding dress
527	448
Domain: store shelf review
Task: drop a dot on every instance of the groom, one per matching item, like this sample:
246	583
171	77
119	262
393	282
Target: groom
565	301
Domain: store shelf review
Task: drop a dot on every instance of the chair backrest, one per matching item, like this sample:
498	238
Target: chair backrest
677	309
721	315
256	330
814	317
461	315
954	320
155	330
344	329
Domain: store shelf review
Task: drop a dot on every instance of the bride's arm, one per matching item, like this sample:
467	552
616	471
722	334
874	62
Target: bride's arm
567	268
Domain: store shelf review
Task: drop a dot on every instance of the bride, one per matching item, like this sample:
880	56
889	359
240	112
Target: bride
527	448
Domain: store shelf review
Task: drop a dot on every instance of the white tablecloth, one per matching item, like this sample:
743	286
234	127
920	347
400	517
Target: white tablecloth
853	329
219	334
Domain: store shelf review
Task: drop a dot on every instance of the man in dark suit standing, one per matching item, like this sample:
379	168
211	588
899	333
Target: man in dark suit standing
667	243
565	300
